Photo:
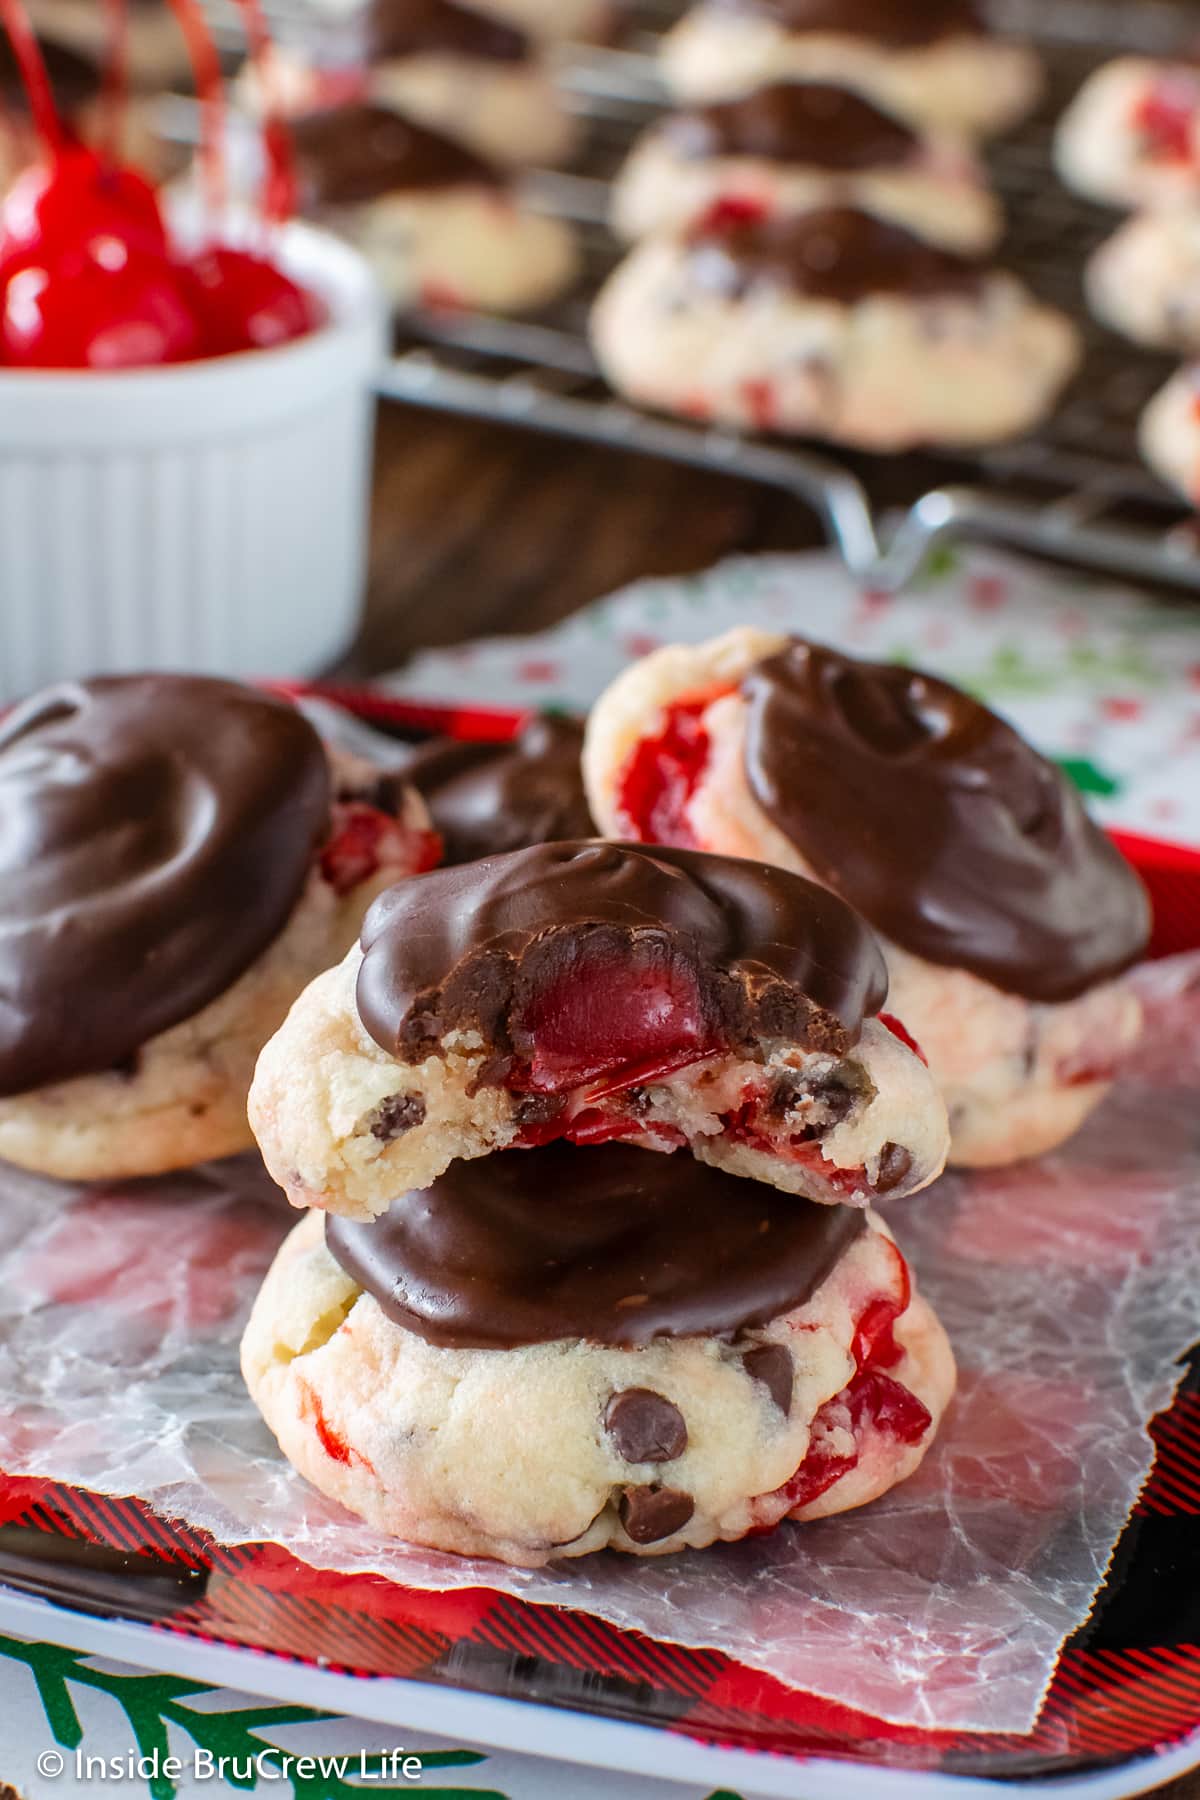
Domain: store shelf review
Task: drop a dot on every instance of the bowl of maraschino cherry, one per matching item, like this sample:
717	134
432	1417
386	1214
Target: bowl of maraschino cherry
186	407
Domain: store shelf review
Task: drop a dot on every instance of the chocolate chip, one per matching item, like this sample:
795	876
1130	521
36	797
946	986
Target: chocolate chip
895	1164
396	1115
385	793
645	1426
128	1066
650	1514
771	1364
538	1109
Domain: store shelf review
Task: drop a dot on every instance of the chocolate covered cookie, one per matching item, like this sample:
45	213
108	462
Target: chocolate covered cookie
1006	915
566	1349
830	323
179	856
932	61
486	798
594	992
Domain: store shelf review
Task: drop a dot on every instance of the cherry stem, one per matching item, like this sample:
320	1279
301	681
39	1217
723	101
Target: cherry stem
34	78
116	74
210	92
279	174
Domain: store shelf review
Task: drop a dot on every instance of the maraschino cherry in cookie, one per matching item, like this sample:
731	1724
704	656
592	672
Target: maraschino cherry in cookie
557	1350
447	65
178	856
1131	136
830	323
440	225
486	798
1006	914
595	992
793	145
932	61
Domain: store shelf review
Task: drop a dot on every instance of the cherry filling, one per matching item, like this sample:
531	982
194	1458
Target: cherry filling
872	1401
663	773
1165	118
620	1018
363	840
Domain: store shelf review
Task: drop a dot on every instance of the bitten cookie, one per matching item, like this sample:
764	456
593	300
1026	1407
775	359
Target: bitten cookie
930	60
1170	433
792	146
1131	136
178	858
830	323
1005	914
595	991
441	226
457	70
562	1350
1145	280
487	798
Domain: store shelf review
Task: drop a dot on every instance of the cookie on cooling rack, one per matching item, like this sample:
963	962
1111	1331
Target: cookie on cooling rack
564	1349
179	857
1006	915
458	70
834	324
1170	433
593	991
487	798
1144	281
1131	136
932	61
440	225
793	145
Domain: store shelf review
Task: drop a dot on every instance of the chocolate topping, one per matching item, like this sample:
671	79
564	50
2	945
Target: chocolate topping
155	834
74	77
645	1427
489	798
903	24
741	949
650	1514
830	253
350	154
431	27
940	823
807	122
611	1244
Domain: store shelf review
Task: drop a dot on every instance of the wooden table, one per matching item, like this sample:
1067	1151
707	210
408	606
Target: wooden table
480	529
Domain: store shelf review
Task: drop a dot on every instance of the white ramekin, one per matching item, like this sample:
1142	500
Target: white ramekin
210	516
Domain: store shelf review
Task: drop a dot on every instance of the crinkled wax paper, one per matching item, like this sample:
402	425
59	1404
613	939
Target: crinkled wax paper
1069	1288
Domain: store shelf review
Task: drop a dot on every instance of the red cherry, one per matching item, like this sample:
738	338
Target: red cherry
57	206
114	306
246	303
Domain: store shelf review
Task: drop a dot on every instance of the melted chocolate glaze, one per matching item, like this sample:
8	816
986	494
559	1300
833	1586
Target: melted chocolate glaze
489	798
940	823
806	122
903	24
155	834
831	253
397	28
473	948
74	77
350	154
612	1244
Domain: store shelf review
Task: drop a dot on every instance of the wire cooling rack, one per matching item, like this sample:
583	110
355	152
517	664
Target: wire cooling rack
1075	489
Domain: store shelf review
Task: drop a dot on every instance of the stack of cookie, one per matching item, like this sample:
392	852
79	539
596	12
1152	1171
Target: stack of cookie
1131	138
591	1137
813	226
